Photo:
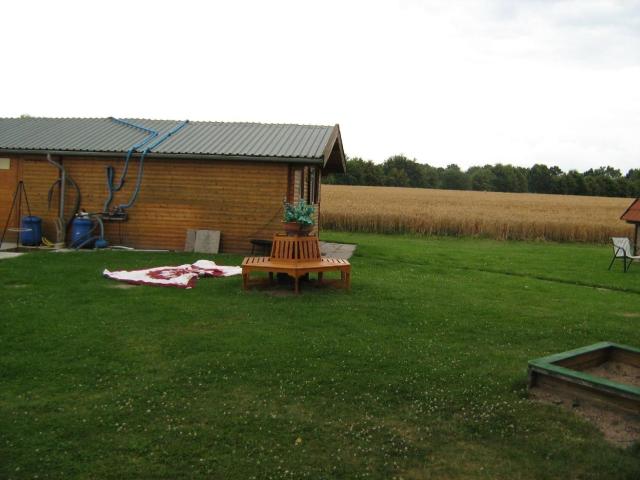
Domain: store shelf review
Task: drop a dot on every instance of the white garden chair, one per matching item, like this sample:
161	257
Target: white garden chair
622	249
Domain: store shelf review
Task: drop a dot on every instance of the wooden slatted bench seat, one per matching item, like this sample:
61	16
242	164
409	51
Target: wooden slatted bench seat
296	256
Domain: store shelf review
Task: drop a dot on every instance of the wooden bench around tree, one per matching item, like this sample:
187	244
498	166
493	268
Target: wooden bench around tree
297	257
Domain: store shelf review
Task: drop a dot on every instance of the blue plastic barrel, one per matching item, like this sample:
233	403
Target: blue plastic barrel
81	231
31	230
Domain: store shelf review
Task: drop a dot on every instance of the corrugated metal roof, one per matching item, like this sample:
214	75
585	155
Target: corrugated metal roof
196	138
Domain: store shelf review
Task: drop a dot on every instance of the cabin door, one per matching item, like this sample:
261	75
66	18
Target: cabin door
8	184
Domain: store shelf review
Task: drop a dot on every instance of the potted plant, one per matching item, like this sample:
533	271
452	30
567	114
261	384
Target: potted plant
298	218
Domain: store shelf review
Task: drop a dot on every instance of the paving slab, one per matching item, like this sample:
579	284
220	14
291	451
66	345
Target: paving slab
337	250
8	245
207	241
6	255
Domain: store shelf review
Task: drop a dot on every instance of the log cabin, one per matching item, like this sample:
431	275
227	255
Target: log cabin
169	176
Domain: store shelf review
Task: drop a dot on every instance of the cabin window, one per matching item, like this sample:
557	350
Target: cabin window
313	187
5	163
305	183
297	184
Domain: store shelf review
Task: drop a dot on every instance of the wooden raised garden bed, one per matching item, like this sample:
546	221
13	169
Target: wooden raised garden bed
604	373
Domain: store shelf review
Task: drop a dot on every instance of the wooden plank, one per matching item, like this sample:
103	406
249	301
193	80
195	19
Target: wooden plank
586	360
555	384
625	356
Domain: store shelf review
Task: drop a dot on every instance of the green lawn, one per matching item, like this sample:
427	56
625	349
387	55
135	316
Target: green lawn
419	372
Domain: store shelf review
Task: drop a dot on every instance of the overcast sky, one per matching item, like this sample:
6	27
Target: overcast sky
466	82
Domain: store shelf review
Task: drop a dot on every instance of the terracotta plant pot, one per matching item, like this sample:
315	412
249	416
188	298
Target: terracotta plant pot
295	229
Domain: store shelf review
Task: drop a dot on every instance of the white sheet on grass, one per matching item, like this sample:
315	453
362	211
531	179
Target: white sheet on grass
181	276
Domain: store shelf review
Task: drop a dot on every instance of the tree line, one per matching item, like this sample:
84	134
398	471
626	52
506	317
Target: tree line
400	171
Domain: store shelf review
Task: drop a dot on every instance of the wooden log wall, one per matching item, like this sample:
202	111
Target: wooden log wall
241	199
38	176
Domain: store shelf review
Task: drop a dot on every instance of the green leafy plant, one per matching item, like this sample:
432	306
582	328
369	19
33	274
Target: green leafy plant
300	212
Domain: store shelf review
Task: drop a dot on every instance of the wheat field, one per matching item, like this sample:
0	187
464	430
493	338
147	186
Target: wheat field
504	216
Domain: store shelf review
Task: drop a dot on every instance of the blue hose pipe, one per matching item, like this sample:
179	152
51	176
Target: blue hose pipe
147	149
111	188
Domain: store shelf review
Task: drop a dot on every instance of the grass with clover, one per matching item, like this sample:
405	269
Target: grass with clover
419	372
